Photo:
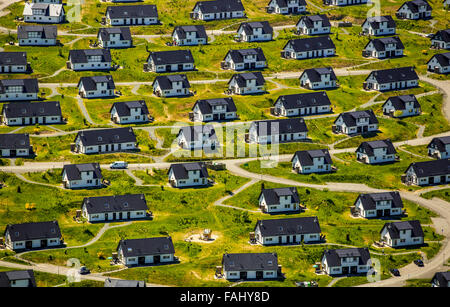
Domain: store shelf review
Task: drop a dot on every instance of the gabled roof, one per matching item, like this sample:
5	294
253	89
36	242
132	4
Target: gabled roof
48	32
33	231
27	109
105	33
219	6
74	171
315	74
399	102
14	141
198	29
116	203
180	170
171	57
280	126
50	9
106	136
195	133
289	226
305	157
311	43
394	228
309	20
334	256
272	196
165	82
295	101
442	58
242	79
250	262
394	75
284	3
132	11
120	283
123	108
147	246
28	85
90	83
442	35
380	43
77	56
13	58
375	21
368	201
349	118
442	277
238	55
206	105
439	167
8	276
440	143
248	27
414	5
369	147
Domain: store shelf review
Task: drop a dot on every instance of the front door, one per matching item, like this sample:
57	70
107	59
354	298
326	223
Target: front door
345	270
443	179
128	215
114	216
168	67
180	67
280	240
141	260
379	213
156	259
353	269
29	244
43	243
259	274
243	275
288	239
387	212
431	180
12	153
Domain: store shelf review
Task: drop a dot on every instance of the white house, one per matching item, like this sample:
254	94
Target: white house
308	48
302	104
119	37
77	176
171	86
32	235
374	152
441	279
149	251
37	35
13	62
346	261
279	200
105	141
189	35
402	106
257	31
19	89
414	10
244	59
356	122
344	2
47	1
439	63
170	61
43	12
441	39
376	205
198	137
385	47
214	110
217	10
114	208
318	78
439	147
401	234
89	59
188	174
96	87
314	25
379	25
248	266
312	161
278	131
427	173
247	84
286	6
288	231
131	15
129	112
14	145
16	279
392	79
31	113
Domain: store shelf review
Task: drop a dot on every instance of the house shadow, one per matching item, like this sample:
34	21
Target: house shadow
145	265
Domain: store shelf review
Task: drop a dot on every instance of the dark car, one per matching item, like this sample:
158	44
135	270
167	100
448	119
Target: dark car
395	272
418	262
84	270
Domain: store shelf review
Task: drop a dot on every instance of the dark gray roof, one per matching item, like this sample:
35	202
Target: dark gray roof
442	35
181	170
27	109
106	136
248	27
439	167
311	43
414	5
171	57
90	83
29	85
238	55
334	256
368	201
206	105
272	196
7	276
375	21
105	33
15	141
132	11
13	58
369	147
380	43
442	277
165	82
241	79
74	171
198	29
116	203
284	3
120	283
289	226
395	227
442	58
33	231
394	75
306	156
399	102
350	117
315	74
303	100
440	143
280	126
218	6
47	32
192	133
148	246
77	56
123	108
309	20
250	261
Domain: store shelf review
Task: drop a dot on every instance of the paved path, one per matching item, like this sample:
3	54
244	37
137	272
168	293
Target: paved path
220	202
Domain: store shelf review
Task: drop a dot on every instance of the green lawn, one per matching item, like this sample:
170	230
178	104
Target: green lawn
443	194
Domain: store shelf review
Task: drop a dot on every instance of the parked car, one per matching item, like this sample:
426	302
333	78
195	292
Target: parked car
84	270
306	284
119	165
418	262
395	272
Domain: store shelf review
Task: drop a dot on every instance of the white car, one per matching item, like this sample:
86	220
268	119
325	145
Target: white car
119	165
